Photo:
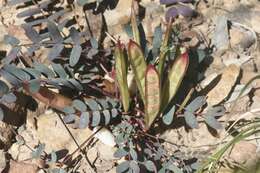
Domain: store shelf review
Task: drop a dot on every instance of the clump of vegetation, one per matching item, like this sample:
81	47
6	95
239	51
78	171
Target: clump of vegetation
79	67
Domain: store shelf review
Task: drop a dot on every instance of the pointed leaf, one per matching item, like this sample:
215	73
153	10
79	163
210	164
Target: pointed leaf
139	66
152	95
175	78
75	55
134	24
163	49
121	75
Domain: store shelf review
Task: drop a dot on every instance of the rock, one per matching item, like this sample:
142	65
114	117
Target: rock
209	78
20	167
105	136
52	133
221	38
244	153
2	160
223	87
230	57
106	152
237	91
119	15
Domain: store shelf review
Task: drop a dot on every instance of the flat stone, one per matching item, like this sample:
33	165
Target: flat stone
223	87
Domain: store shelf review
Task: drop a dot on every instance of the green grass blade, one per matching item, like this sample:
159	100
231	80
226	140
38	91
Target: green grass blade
138	65
134	24
121	75
174	78
163	51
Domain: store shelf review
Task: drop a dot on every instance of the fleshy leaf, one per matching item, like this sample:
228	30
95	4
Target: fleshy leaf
168	116
163	52
134	24
152	95
121	75
139	66
175	78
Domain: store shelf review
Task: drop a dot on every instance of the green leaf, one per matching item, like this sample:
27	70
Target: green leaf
133	154
9	98
134	24
69	118
95	118
197	103
94	43
45	70
75	55
59	70
17	72
213	122
84	120
39	150
106	114
138	65
4	89
122	167
150	166
152	95
53	157
168	116
69	110
82	2
1	114
92	104
174	78
134	166
157	40
114	112
121	75
174	168
120	152
58	170
79	105
54	32
163	49
34	85
8	39
191	120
